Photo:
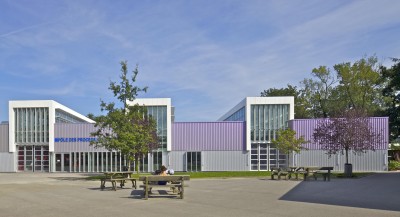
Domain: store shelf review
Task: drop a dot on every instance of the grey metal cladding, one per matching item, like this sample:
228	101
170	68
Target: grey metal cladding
212	160
176	160
4	138
7	162
369	161
224	161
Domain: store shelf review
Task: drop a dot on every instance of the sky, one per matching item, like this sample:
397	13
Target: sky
205	55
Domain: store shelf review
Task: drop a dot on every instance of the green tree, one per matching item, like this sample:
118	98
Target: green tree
391	90
128	129
318	92
287	142
300	104
360	85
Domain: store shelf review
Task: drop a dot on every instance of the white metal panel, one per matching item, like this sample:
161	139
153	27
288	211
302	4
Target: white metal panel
51	104
158	102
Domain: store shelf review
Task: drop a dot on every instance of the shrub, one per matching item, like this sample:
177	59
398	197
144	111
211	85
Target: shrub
394	165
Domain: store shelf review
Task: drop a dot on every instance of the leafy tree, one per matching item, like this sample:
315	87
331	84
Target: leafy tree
319	91
128	129
300	105
392	91
287	142
351	132
360	85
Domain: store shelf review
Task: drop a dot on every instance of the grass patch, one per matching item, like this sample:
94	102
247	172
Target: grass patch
199	175
233	174
356	175
225	174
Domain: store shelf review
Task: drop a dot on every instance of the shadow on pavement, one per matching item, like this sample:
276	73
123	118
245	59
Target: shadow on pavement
69	178
138	194
379	191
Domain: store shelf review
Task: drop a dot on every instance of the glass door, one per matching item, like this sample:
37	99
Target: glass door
58	163
259	157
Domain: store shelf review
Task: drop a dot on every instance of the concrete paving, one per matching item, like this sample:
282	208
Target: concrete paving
44	194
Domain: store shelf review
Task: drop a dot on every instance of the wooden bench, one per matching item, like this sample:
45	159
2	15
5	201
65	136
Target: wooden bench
174	182
296	171
316	171
117	177
286	172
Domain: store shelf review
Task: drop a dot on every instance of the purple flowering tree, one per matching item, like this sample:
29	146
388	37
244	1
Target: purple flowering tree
352	132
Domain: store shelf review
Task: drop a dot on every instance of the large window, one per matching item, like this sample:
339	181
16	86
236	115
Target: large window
64	117
266	120
193	161
237	116
31	126
159	114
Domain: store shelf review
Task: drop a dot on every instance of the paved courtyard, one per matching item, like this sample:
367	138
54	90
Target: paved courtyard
44	194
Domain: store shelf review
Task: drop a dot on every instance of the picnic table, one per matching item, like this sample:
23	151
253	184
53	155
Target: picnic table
306	171
174	182
281	171
315	171
120	177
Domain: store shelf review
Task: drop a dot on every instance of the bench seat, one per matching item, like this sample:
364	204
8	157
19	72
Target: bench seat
174	182
114	181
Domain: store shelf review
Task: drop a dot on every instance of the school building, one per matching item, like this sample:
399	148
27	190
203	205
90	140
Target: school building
45	136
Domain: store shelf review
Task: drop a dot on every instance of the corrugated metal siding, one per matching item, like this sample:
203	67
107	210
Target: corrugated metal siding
3	137
208	136
305	127
212	160
225	161
7	162
74	131
176	160
370	161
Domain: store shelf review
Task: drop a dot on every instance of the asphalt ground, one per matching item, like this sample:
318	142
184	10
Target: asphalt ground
66	194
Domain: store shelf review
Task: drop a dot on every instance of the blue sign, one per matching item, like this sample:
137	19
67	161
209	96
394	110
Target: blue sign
75	139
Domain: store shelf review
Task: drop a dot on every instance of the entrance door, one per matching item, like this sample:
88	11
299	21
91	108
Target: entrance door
58	162
259	157
265	156
33	158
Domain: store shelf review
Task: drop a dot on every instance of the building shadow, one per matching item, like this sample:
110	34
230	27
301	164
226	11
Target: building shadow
379	191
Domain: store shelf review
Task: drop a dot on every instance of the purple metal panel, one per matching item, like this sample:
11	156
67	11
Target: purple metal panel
74	138
305	127
209	136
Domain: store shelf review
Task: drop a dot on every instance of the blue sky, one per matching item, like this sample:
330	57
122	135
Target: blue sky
205	55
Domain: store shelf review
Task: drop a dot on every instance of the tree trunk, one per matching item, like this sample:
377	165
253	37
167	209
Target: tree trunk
137	164
129	165
288	160
348	170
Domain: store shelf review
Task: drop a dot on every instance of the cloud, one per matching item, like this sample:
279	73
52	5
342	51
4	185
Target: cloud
211	52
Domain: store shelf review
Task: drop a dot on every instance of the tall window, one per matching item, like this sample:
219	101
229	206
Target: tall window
157	160
159	114
193	161
31	126
266	120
